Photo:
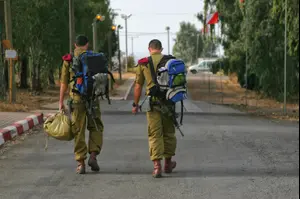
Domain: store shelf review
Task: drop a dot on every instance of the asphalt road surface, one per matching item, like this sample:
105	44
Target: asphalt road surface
220	157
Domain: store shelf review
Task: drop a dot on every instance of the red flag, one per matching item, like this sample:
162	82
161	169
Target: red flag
213	18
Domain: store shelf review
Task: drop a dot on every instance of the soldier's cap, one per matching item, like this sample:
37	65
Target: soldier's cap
81	40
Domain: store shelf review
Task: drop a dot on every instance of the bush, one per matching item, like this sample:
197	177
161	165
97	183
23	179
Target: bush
131	62
221	64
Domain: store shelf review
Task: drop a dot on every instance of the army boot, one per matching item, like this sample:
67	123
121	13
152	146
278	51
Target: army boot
169	165
93	162
80	167
157	169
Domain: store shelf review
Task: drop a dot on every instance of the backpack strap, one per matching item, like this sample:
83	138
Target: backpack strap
152	70
181	116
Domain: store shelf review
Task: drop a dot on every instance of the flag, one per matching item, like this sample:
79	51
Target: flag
213	18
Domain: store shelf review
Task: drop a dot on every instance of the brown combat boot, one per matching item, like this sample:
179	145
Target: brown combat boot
169	165
80	167
157	169
93	162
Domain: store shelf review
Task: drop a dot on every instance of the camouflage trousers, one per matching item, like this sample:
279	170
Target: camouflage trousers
161	135
80	121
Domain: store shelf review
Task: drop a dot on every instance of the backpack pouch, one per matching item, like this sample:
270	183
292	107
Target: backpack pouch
176	94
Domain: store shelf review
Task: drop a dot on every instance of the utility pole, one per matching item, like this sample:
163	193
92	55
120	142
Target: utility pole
126	17
246	72
285	59
132	39
197	51
132	45
71	25
109	55
8	31
168	30
94	37
119	51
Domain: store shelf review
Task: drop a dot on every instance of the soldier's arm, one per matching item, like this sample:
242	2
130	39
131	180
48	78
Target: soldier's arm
64	80
139	82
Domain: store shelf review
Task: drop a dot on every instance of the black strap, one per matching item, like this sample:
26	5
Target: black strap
112	76
153	74
181	119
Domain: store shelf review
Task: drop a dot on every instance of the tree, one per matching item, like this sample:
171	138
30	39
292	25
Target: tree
257	27
186	43
46	38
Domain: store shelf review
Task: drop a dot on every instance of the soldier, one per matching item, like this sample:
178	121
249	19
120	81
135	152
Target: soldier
161	131
79	114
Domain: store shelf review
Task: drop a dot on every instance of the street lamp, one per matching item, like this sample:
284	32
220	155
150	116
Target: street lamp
119	51
113	13
168	30
98	18
285	59
126	17
112	29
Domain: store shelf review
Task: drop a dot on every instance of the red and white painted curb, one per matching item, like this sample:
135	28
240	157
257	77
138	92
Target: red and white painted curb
18	128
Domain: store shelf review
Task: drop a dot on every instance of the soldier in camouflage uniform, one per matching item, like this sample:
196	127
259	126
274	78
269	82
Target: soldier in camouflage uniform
79	114
161	131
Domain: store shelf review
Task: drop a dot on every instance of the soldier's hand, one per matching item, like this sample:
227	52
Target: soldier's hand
61	106
135	110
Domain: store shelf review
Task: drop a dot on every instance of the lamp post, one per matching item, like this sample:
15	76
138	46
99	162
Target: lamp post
168	31
126	17
246	72
71	25
112	29
119	51
285	59
97	19
8	33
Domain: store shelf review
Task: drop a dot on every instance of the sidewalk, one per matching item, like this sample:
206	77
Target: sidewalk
8	118
13	124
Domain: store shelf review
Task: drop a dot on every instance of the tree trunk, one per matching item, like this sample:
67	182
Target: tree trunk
38	81
24	68
51	78
2	86
33	78
6	76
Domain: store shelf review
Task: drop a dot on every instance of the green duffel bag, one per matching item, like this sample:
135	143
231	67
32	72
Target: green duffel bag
59	126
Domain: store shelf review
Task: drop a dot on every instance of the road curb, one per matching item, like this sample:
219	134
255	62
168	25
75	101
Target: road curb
129	89
19	127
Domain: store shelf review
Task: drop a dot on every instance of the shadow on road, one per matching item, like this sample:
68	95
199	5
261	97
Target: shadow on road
208	172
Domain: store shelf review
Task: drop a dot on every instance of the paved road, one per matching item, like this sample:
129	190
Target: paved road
219	158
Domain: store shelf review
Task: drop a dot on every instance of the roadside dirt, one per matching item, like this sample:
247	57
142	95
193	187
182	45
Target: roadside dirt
227	91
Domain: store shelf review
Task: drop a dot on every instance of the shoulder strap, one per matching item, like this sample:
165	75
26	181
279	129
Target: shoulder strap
153	74
164	60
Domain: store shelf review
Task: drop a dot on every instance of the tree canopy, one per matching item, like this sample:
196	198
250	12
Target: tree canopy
41	34
257	28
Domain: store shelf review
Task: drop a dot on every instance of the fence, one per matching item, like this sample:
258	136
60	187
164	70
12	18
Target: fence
225	90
